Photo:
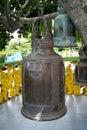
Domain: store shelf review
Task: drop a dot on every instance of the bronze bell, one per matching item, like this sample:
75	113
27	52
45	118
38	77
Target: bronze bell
64	30
81	68
43	79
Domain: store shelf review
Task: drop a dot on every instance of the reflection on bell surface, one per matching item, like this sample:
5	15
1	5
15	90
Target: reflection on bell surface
81	68
64	30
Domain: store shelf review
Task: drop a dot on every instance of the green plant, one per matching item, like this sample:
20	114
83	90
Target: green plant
2	56
14	46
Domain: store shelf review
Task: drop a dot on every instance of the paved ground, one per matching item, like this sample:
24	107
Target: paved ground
75	118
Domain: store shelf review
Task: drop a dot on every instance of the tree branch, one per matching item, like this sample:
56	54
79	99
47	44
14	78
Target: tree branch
11	22
27	14
29	20
24	5
7	9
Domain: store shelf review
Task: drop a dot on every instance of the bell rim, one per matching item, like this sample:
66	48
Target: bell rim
45	117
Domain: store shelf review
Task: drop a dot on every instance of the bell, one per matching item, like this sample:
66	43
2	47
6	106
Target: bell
64	30
81	68
43	80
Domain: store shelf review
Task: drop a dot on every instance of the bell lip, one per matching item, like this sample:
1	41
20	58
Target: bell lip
60	42
81	84
83	58
45	117
65	46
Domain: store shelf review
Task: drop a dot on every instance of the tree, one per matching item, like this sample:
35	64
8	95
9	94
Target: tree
4	36
20	13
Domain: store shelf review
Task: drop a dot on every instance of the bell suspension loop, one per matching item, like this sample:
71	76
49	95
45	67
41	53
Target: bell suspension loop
35	34
48	38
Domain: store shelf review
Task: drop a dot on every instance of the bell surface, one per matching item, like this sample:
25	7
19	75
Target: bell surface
43	85
81	73
64	31
43	79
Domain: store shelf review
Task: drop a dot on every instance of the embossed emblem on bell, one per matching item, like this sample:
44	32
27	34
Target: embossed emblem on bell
64	30
43	79
81	68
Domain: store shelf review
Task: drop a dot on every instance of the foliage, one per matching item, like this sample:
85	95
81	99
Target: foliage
30	10
2	56
26	30
17	10
4	37
13	47
19	45
78	38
